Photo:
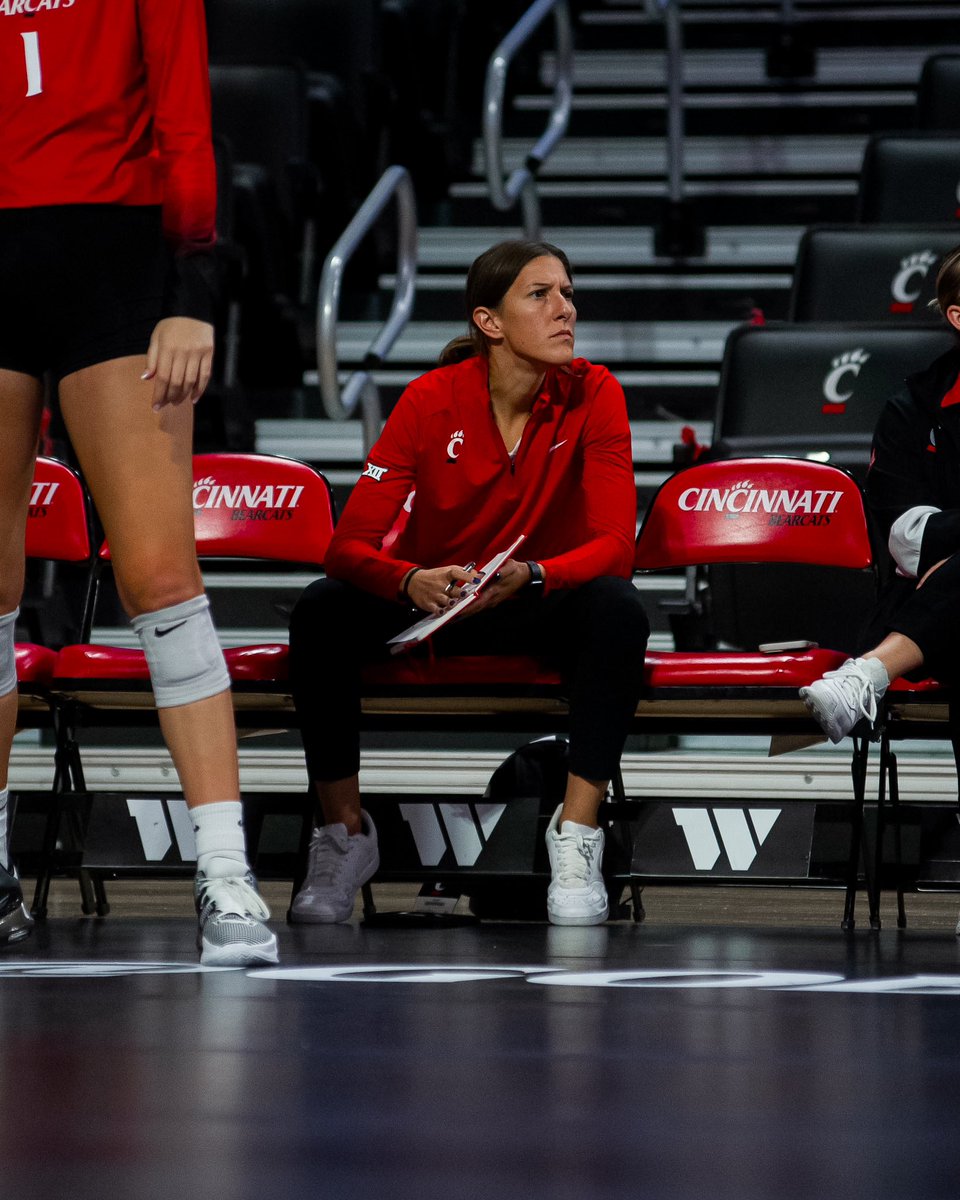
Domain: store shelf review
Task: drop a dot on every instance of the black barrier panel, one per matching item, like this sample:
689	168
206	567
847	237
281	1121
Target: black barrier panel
723	841
469	841
144	834
452	834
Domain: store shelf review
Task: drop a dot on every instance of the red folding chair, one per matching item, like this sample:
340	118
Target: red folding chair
58	531
754	510
247	507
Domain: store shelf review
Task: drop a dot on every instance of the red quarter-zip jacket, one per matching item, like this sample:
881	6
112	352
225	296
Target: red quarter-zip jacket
570	488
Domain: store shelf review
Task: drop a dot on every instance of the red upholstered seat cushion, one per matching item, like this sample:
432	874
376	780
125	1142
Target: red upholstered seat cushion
35	664
268	663
677	668
101	662
921	688
265	663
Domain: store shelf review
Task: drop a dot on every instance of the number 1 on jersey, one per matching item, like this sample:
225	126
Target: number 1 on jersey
31	52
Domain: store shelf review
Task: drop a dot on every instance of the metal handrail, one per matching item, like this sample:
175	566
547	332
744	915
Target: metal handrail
360	388
669	10
522	182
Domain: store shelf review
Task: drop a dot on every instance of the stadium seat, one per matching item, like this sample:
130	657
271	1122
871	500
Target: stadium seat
938	97
754	510
58	531
337	42
261	111
869	272
336	37
815	391
911	177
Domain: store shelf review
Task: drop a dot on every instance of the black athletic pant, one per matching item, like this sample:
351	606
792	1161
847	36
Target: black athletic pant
930	616
595	634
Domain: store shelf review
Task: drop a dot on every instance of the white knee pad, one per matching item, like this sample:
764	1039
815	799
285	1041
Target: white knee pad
183	653
8	658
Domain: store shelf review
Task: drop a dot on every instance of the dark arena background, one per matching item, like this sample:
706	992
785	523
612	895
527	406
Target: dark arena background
754	196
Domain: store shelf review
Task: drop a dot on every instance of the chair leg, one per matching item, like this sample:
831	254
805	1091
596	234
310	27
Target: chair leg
619	792
897	836
369	907
636	896
68	777
63	769
858	769
873	882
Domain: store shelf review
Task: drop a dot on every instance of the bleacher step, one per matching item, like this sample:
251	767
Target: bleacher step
738	69
819	156
736	247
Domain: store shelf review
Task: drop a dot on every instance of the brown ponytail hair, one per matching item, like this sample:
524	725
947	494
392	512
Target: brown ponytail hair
490	277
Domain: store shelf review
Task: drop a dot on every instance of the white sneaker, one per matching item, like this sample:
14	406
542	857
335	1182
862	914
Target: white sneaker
231	922
839	700
338	865
576	895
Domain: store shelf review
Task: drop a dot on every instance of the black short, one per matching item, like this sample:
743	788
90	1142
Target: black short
79	285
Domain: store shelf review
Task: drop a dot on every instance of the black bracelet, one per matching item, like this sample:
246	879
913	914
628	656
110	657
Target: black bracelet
405	588
536	573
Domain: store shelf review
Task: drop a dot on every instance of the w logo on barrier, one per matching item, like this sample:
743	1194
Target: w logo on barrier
155	819
742	831
467	827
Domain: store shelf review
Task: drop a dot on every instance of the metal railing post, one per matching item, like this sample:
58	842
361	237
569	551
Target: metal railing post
676	117
360	388
521	184
679	234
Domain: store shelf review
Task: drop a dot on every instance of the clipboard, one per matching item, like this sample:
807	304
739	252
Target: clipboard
423	628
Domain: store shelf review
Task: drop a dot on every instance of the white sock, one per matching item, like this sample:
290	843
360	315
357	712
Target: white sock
575	827
4	851
221	845
877	673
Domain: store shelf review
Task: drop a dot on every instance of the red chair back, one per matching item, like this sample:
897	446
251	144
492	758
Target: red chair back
755	510
58	525
259	506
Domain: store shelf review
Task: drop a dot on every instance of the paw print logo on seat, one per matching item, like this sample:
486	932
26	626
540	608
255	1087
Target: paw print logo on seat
843	370
907	284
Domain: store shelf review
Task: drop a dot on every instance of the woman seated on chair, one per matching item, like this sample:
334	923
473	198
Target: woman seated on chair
913	491
510	435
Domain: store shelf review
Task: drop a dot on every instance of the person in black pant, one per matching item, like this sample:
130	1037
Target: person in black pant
511	435
913	492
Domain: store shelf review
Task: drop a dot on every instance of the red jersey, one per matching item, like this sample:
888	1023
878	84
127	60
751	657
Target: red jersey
108	102
569	488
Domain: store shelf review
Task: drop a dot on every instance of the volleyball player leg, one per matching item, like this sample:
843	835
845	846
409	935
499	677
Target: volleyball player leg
21	402
138	466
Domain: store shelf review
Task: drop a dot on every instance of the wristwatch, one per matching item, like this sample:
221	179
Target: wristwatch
536	574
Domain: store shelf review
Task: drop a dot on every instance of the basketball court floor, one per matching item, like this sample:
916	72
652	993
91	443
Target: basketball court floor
735	1045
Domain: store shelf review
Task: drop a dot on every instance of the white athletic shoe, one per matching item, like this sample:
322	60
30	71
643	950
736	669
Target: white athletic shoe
839	700
576	895
231	920
338	865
